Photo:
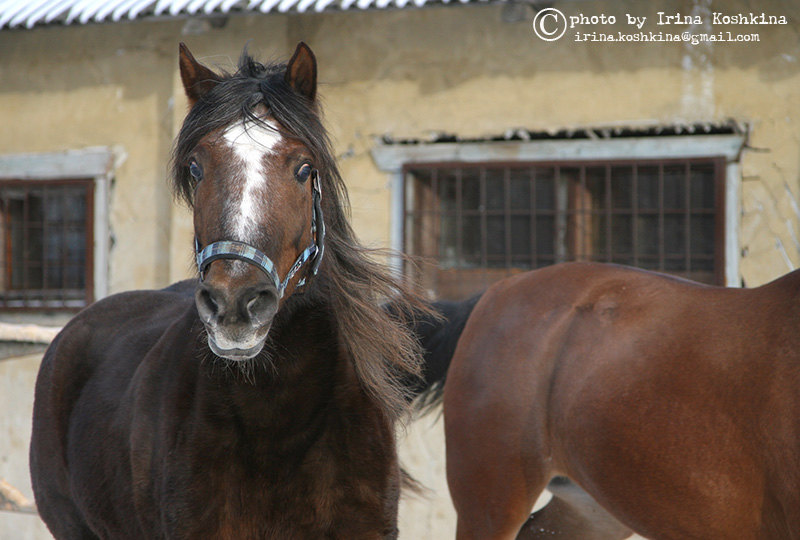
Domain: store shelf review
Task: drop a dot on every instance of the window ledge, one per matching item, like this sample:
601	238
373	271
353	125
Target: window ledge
392	157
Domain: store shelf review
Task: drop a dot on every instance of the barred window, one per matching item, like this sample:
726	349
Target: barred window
46	246
475	223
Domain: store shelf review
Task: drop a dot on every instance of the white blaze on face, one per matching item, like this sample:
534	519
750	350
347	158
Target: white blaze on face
251	142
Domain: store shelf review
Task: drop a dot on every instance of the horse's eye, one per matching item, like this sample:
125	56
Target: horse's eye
303	172
195	170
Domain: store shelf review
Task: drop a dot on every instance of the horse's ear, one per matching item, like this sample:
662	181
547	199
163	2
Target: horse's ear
301	71
197	78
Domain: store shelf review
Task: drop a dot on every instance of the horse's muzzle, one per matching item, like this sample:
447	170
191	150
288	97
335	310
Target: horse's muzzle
237	321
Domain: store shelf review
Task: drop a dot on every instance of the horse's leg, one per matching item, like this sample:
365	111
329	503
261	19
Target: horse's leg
63	519
495	519
498	447
493	487
49	474
53	502
572	514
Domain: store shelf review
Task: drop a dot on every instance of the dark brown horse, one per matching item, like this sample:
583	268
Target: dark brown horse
259	401
674	405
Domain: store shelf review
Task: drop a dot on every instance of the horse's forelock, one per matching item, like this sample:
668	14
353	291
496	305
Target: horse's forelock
236	98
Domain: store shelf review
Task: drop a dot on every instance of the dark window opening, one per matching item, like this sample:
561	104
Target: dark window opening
473	224
46	245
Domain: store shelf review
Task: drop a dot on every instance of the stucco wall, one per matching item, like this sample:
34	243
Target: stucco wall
71	88
17	377
407	73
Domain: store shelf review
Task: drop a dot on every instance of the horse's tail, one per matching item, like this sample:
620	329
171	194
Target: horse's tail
438	336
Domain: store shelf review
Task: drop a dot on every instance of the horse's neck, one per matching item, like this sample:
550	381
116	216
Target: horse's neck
290	384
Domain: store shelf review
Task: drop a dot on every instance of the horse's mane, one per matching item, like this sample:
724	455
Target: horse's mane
382	349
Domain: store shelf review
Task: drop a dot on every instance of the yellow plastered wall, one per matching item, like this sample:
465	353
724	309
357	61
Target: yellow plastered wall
408	73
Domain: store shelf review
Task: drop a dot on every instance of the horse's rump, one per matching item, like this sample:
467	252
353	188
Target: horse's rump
670	402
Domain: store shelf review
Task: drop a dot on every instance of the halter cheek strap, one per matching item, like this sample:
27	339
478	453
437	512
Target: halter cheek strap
231	249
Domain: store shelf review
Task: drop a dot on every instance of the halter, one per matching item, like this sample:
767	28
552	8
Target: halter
231	249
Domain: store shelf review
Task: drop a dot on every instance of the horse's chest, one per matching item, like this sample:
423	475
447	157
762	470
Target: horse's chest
326	494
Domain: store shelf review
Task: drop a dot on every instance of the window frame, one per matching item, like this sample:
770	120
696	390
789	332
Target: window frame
393	159
560	253
29	300
95	165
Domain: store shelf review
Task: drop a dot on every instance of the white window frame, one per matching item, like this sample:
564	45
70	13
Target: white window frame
96	163
390	158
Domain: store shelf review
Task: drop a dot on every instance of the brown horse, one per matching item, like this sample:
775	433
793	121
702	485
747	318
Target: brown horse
257	402
674	405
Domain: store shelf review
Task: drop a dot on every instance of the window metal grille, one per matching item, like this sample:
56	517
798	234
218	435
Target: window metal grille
475	223
46	245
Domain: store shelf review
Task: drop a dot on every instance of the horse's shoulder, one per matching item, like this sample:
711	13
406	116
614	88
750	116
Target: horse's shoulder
139	316
113	335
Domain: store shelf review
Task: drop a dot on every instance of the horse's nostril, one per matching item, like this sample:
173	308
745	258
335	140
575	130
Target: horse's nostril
261	308
207	306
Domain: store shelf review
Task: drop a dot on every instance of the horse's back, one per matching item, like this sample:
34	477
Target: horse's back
83	377
649	391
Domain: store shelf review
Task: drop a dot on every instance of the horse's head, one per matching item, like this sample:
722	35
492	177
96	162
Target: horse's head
255	188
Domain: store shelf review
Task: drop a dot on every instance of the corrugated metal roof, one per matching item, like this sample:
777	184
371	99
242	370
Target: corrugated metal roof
29	13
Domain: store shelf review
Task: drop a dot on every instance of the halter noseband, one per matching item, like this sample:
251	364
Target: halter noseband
230	249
